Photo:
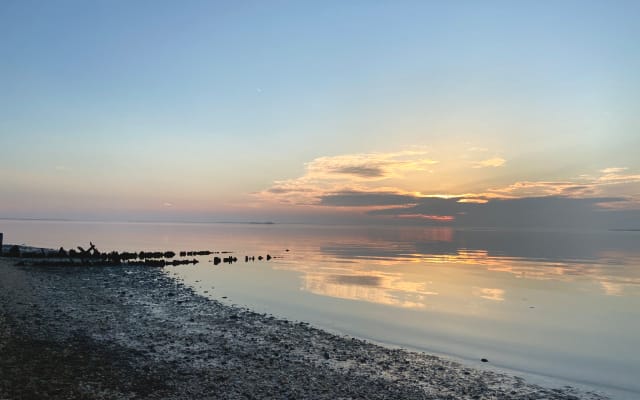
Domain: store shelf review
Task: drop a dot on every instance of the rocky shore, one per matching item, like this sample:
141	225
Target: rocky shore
135	333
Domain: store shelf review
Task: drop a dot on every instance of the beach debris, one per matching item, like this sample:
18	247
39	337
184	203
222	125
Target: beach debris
91	256
128	256
91	251
156	254
196	253
14	251
109	262
162	263
227	260
230	259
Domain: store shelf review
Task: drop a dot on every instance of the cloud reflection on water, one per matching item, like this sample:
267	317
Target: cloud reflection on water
382	289
489	293
408	267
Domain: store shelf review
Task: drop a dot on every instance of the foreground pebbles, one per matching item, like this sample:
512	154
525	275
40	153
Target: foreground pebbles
134	332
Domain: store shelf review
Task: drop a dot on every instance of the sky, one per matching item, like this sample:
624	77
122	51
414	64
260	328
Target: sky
492	113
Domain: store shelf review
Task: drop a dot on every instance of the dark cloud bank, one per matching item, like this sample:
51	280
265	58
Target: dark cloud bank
550	211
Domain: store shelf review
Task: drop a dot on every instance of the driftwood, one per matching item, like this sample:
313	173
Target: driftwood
162	263
226	260
195	253
93	257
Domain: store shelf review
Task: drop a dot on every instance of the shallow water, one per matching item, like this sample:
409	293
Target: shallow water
563	304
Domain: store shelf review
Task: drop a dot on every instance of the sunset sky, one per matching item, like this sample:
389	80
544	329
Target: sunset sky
471	113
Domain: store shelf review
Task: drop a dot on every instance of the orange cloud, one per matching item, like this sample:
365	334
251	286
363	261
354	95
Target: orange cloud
400	178
442	218
368	166
613	170
473	200
360	172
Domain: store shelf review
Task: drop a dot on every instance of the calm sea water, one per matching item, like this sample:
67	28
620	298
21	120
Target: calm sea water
551	303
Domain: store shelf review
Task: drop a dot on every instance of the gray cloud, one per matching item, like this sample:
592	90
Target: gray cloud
282	190
552	211
364	199
549	211
363	171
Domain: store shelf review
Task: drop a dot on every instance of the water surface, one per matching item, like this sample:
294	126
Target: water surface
564	304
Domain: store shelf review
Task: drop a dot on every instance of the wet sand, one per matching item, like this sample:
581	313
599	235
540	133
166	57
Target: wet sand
134	332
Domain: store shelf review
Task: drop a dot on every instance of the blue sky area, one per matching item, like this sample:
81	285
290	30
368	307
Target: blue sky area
274	110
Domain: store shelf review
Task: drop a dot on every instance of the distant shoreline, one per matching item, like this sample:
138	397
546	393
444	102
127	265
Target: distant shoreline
330	223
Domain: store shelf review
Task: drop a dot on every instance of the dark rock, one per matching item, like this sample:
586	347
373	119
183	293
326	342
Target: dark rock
14	251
